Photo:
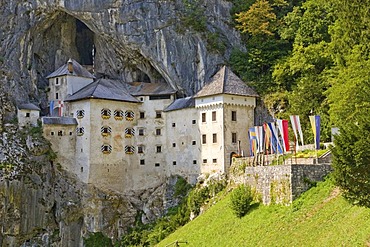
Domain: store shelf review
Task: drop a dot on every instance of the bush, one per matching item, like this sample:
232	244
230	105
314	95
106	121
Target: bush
241	199
97	239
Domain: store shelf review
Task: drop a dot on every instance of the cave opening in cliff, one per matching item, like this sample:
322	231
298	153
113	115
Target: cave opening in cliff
84	43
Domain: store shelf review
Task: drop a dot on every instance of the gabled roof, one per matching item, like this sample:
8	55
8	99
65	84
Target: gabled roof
226	82
147	89
78	70
29	106
59	120
181	104
103	89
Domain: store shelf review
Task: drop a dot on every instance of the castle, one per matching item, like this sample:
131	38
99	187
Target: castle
131	136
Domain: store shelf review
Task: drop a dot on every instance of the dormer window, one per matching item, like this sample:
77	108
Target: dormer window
105	113
129	115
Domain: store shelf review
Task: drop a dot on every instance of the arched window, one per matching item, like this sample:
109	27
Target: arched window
105	113
106	149
80	113
118	114
80	131
106	130
129	115
129	149
129	132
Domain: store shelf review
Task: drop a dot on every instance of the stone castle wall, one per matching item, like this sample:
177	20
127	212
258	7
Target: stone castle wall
279	184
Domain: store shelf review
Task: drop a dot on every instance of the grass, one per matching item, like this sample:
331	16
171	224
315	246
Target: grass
320	217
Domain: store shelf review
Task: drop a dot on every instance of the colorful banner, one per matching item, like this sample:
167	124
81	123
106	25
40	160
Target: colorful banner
315	124
259	133
283	128
252	141
60	108
296	126
267	136
274	138
51	108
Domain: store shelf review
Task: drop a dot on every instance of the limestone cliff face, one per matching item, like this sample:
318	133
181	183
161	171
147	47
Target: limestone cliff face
182	42
42	205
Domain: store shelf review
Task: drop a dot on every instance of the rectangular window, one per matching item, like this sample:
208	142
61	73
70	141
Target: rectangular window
173	124
193	142
204	161
140	149
203	117
158	132
214	138
204	139
142	114
174	145
158	114
157	164
194	121
56	95
28	114
213	116
57	81
142	162
233	137
174	163
52	133
194	162
141	132
159	149
233	115
60	133
214	160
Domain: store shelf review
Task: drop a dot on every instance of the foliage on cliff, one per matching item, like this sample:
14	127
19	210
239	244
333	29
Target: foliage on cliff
311	57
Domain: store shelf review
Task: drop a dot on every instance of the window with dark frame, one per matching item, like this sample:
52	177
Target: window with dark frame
214	116
204	161
159	149
204	139
203	117
233	137
194	142
141	132
158	132
140	149
194	121
142	162
173	124
233	115
60	133
174	163
157	164
214	160
174	145
194	162
28	114
158	114
214	138
142	115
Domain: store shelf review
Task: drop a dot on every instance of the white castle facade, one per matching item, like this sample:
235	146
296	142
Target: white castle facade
131	136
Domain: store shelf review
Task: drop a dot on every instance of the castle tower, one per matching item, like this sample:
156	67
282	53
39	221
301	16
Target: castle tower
226	111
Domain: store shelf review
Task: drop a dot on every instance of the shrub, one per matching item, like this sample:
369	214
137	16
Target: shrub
241	199
97	239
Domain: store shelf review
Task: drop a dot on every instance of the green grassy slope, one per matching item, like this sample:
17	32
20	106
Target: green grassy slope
320	217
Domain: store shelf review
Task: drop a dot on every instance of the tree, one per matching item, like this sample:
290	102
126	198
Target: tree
241	199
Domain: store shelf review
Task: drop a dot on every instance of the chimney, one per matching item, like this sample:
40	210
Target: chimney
70	66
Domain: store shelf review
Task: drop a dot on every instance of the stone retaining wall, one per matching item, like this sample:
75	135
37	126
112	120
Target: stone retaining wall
282	183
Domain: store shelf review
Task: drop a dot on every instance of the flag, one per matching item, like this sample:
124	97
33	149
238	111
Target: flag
296	125
315	124
252	141
267	136
51	108
60	108
259	134
283	128
276	146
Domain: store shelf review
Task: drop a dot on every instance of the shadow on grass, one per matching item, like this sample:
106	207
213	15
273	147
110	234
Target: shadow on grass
253	207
